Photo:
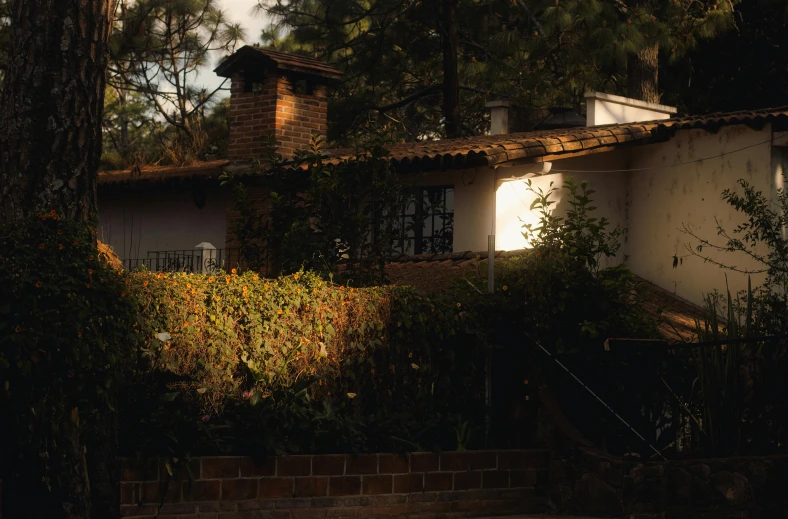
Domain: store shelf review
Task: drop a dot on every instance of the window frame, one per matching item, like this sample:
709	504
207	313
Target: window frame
422	244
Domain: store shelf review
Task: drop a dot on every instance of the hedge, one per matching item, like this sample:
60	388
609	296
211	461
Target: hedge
391	360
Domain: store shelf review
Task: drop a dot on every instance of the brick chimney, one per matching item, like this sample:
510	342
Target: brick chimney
275	93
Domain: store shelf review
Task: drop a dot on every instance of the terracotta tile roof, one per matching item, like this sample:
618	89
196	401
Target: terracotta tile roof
211	169
279	60
674	316
498	149
491	150
436	272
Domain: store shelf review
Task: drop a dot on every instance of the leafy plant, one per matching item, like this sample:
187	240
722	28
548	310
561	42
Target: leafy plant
297	362
561	294
464	433
749	374
320	215
68	334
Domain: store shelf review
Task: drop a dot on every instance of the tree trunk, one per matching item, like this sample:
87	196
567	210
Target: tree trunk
123	142
50	146
51	107
451	81
643	74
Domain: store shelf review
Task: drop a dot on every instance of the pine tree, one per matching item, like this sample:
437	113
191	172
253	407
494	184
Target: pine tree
159	46
633	33
50	144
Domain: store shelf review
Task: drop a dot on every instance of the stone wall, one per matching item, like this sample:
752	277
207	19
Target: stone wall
423	485
588	482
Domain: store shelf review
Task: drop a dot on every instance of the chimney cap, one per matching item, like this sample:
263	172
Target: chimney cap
250	58
628	101
498	103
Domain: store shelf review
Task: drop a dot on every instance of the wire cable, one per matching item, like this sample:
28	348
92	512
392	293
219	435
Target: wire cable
554	170
596	396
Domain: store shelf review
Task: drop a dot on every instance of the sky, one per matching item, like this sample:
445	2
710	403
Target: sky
237	11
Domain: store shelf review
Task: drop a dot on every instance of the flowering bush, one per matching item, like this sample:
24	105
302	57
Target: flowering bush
231	343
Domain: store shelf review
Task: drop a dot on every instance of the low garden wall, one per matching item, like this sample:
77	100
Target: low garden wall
423	485
726	488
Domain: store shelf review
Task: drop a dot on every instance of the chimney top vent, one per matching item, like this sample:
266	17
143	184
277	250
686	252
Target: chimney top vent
611	109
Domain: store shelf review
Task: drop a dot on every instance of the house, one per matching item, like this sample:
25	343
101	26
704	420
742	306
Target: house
653	173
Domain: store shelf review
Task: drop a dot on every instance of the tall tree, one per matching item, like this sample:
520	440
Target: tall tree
393	54
161	46
50	146
744	69
51	104
451	79
635	33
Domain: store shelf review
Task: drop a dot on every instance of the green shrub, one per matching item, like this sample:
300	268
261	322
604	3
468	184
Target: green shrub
319	215
66	337
235	347
560	295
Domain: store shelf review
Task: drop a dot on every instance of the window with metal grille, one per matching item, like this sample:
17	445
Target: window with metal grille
426	225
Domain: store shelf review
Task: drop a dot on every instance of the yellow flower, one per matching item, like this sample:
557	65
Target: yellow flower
227	279
295	276
188	285
53	213
210	279
218	298
505	288
186	324
39	284
314	290
341	287
159	275
18	329
280	311
234	271
145	283
459	305
255	277
194	291
410	355
266	286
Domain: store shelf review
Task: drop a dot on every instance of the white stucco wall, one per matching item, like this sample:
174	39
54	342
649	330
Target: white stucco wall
136	222
514	199
661	188
676	188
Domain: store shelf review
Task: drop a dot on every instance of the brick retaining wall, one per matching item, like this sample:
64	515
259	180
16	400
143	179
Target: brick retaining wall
418	485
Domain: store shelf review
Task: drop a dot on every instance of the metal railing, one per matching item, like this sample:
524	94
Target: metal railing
187	260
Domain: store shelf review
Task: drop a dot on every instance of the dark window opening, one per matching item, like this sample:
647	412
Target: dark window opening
302	86
426	225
